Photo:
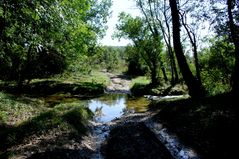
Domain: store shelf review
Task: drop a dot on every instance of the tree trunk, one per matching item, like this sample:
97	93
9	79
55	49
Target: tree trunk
193	41
235	39
164	72
196	62
174	68
154	76
195	89
167	39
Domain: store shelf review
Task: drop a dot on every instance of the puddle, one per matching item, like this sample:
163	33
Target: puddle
112	106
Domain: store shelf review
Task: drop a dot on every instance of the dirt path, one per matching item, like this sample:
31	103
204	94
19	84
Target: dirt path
118	84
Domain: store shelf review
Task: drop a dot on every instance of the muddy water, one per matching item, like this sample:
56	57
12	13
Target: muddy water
107	108
112	106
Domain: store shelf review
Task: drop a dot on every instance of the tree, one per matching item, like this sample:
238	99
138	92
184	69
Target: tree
217	63
155	13
64	30
234	34
149	46
191	30
136	65
195	89
226	24
24	33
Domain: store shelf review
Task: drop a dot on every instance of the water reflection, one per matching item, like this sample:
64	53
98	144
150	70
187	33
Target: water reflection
111	106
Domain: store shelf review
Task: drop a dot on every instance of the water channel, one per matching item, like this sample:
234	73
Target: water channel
111	106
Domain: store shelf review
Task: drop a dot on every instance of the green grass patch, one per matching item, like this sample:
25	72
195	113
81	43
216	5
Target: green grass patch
141	86
24	118
15	109
94	76
140	80
70	117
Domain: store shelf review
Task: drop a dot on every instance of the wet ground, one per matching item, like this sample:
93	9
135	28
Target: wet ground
133	140
130	133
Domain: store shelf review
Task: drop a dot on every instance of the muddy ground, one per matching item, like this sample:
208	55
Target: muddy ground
126	137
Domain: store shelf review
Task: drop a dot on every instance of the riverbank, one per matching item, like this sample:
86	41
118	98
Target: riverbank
45	117
46	127
209	125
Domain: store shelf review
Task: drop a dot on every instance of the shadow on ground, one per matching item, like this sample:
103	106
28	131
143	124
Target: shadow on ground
63	154
55	128
48	87
133	140
210	125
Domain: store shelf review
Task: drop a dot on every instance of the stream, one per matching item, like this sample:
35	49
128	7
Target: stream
112	107
117	105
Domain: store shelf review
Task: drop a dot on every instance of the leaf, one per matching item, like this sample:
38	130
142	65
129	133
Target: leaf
1	11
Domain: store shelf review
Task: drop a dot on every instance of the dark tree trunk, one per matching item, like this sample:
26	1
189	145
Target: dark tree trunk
174	73
195	89
173	65
164	72
195	54
171	53
154	76
193	41
235	39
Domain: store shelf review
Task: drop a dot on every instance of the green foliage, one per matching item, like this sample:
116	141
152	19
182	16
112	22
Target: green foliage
110	58
48	35
98	14
217	63
136	65
148	43
49	87
142	80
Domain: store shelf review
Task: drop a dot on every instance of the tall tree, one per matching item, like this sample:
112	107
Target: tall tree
226	21
167	37
157	16
151	21
191	33
149	46
234	34
195	89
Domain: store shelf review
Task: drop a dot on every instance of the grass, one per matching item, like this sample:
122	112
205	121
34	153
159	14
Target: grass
15	109
210	125
141	86
93	76
140	80
46	113
24	119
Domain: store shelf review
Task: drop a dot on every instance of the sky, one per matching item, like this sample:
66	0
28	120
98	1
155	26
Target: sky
118	6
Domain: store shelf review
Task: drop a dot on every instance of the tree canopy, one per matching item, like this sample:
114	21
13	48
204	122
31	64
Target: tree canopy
58	32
